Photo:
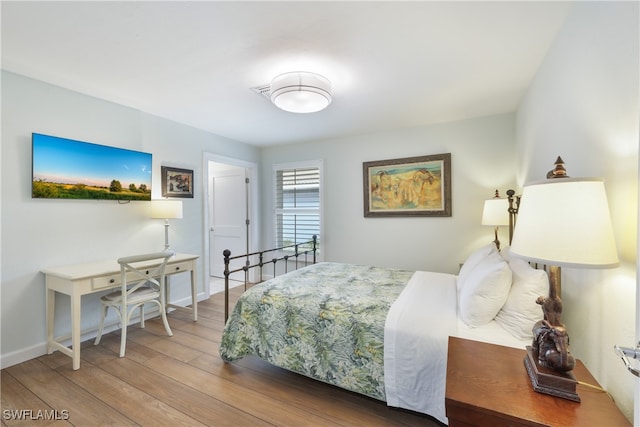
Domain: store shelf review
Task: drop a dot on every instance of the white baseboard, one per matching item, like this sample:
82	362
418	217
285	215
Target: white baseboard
40	349
218	286
22	355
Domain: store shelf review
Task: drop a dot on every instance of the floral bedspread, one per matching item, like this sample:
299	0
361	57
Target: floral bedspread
325	321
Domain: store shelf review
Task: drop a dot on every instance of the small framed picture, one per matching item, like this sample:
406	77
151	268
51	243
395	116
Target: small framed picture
414	186
177	182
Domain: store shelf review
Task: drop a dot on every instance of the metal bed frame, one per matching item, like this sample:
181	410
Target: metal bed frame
514	204
262	261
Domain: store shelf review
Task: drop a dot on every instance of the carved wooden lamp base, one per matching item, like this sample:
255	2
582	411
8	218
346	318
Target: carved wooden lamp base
548	381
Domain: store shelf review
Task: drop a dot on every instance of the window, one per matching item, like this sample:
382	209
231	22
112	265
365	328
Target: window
298	207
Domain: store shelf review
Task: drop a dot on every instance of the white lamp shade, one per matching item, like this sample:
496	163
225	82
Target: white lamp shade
166	209
495	212
565	222
300	92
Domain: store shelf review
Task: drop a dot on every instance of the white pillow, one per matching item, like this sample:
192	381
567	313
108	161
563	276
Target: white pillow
472	261
520	312
505	252
485	290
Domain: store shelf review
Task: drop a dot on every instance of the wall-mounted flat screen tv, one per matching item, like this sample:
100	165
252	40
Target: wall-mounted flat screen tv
67	169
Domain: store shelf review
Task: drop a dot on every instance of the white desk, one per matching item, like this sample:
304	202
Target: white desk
81	279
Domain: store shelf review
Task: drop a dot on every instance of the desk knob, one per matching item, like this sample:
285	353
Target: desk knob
177	268
112	281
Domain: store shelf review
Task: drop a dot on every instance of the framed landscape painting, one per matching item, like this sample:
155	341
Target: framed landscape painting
412	186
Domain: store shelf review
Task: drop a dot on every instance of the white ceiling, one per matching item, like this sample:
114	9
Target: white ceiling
392	64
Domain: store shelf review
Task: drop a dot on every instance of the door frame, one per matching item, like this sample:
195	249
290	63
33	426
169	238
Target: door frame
253	188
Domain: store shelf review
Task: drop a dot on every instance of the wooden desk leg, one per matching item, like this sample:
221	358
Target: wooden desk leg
51	305
75	330
194	294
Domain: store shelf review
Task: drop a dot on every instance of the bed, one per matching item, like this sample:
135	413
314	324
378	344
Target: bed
383	332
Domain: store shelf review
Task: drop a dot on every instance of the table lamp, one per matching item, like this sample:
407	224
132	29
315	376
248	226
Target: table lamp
562	221
166	209
496	213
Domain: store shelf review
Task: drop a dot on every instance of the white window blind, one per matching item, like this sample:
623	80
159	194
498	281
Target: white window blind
297	204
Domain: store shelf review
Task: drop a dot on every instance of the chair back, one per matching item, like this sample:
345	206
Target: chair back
149	270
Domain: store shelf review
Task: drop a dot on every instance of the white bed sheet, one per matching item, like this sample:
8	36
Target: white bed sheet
416	335
491	333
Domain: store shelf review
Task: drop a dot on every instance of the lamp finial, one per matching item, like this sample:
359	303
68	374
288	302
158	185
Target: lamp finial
559	171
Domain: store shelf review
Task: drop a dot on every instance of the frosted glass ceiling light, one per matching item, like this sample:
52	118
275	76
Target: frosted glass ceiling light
300	92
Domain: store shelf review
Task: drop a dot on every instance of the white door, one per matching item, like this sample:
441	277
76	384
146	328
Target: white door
229	217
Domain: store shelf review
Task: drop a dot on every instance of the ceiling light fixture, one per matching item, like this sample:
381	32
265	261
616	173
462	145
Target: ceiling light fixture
300	92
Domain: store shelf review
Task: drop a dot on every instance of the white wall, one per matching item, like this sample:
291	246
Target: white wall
37	233
482	152
583	105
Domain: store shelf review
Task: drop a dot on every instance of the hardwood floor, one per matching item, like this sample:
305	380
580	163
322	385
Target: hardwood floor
179	381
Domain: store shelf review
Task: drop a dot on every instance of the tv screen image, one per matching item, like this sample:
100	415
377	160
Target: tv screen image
68	169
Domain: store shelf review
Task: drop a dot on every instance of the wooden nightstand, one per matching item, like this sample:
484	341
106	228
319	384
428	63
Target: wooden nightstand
488	385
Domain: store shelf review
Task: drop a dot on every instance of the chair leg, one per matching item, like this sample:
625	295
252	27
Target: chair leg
126	318
104	310
165	321
142	316
123	340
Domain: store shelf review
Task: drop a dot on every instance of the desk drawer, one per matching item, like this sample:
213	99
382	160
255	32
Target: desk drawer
105	282
114	280
178	268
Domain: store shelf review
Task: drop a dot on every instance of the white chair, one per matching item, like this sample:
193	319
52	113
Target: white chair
141	284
